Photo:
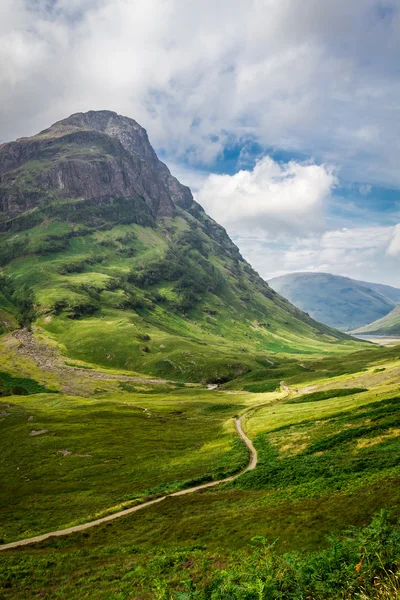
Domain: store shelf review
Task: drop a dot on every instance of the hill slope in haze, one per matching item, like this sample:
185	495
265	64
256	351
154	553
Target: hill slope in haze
110	256
387	325
337	301
388	291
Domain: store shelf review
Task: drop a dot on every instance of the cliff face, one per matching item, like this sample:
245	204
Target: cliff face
88	155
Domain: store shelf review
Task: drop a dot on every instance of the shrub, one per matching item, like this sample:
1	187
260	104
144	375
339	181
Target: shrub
362	564
22	297
10	385
325	395
265	386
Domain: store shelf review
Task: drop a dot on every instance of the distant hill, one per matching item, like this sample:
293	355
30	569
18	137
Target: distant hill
386	290
337	301
388	325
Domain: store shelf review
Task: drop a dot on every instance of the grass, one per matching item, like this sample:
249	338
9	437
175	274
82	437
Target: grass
113	446
102	451
316	460
360	564
327	454
325	395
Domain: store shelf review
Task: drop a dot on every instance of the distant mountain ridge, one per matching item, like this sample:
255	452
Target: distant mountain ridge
340	302
386	290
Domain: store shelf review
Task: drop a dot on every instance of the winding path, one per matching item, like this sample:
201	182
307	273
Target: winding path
252	464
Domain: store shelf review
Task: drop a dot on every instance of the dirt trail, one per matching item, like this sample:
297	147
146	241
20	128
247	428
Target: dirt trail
49	359
252	464
284	387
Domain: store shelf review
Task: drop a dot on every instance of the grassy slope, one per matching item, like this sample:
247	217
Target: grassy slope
337	301
388	325
317	459
141	327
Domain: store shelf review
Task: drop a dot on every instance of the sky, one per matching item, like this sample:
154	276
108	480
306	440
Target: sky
283	116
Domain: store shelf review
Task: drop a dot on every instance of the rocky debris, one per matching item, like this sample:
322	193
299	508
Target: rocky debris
44	356
284	387
4	413
307	389
38	432
69	453
48	359
64	452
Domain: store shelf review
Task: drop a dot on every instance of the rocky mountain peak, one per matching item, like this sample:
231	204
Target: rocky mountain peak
132	136
95	154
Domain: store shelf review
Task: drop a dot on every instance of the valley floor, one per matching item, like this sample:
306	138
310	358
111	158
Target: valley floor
79	444
382	340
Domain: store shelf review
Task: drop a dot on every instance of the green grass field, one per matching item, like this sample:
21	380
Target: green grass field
328	449
104	453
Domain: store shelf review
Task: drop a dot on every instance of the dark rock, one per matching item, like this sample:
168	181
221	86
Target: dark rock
88	155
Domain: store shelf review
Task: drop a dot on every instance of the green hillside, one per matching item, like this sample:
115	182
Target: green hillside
137	277
337	301
388	325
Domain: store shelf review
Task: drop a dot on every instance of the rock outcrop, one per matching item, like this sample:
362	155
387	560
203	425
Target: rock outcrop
88	155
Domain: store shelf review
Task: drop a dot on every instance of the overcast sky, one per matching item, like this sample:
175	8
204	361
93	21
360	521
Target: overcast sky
282	115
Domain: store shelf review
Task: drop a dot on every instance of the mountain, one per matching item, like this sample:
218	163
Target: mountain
108	256
92	155
386	290
387	325
337	301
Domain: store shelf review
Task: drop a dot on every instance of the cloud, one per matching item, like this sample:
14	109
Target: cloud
394	247
317	77
365	189
360	253
273	197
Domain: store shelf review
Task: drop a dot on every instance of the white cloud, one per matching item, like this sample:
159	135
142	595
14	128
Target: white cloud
273	197
365	189
360	253
394	247
358	238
